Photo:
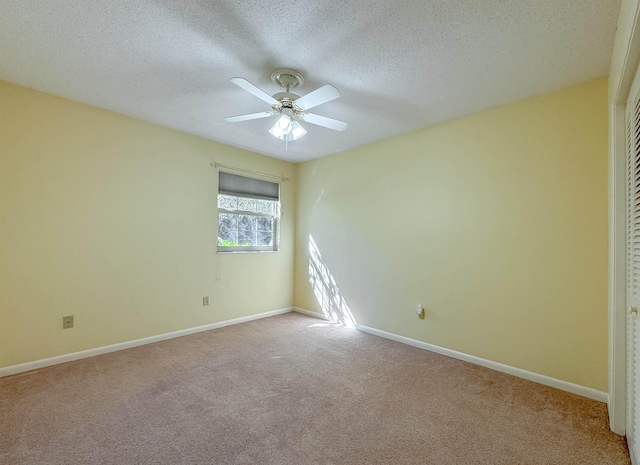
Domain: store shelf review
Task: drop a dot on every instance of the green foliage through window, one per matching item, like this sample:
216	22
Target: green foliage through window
227	243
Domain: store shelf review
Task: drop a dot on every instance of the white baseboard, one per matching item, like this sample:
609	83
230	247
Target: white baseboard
322	316
538	378
22	367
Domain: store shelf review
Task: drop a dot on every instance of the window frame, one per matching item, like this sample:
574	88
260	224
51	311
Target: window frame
250	248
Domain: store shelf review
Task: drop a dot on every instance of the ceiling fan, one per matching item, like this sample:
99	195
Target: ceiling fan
290	107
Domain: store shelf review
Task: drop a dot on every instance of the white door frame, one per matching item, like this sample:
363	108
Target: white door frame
624	64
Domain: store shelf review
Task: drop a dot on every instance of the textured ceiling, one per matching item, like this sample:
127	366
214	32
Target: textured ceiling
399	65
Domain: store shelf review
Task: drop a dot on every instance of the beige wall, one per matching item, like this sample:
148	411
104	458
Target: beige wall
496	223
114	220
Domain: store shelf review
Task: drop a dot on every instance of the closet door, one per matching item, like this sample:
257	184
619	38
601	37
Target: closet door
633	267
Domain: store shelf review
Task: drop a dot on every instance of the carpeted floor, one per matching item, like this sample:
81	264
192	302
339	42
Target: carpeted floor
293	390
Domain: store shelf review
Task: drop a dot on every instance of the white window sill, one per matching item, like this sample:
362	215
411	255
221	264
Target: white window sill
228	252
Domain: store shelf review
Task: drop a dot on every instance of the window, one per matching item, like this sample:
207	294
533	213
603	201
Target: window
248	214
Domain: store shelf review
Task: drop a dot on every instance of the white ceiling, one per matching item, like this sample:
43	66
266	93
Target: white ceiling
399	65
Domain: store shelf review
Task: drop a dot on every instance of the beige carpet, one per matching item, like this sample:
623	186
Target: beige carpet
293	390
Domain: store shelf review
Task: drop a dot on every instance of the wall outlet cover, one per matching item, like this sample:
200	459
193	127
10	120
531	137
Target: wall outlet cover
67	322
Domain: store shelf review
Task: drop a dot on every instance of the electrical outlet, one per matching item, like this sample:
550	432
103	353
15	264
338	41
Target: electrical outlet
67	322
205	300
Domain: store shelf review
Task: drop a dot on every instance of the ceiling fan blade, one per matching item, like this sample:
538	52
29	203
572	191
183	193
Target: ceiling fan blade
261	94
330	123
235	119
319	96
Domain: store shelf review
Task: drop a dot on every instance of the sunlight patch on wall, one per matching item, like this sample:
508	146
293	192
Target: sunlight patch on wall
326	290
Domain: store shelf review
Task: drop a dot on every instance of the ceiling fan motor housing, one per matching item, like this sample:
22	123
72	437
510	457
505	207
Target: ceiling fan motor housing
287	104
285	97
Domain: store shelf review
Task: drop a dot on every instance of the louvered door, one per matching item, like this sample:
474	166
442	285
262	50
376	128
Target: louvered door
633	267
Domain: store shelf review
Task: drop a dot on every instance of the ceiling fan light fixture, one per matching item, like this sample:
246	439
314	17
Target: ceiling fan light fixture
297	131
287	129
284	124
282	127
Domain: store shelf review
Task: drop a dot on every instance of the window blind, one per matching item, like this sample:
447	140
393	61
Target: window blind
232	184
633	199
633	266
